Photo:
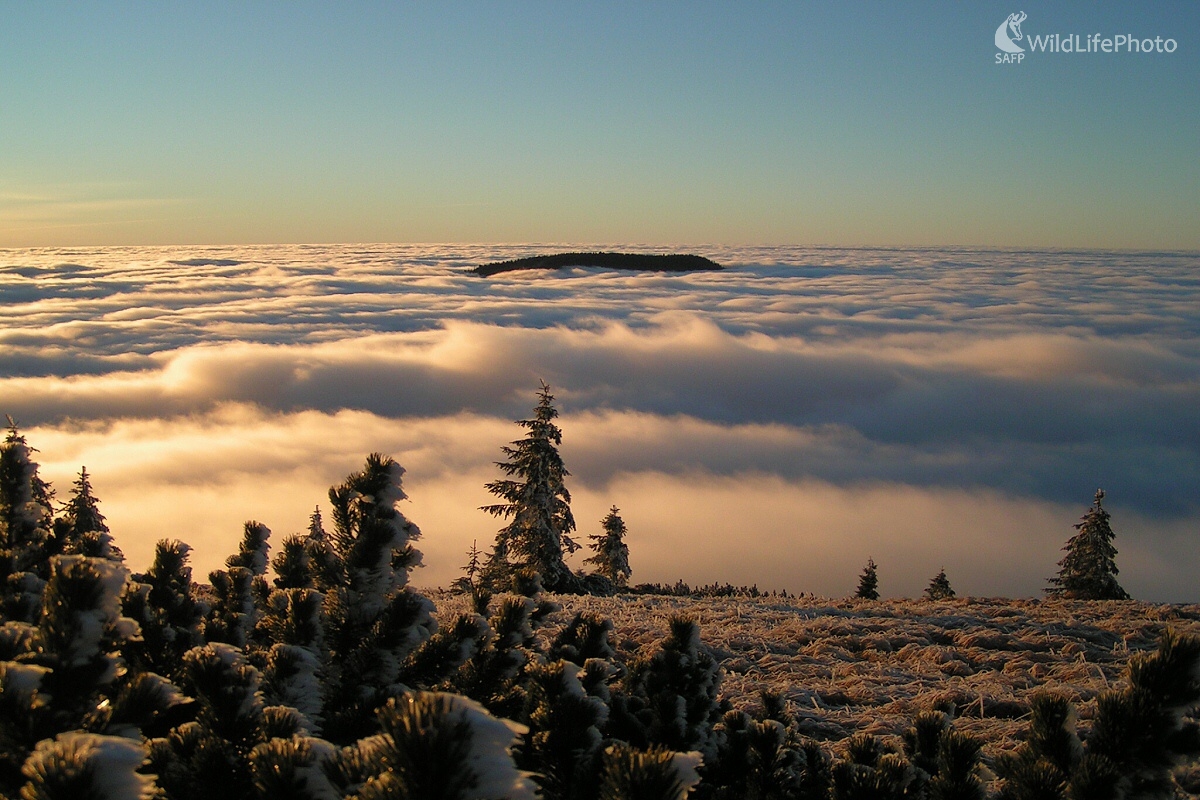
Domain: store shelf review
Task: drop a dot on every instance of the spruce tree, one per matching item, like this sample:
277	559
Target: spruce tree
470	581
536	504
85	765
25	527
82	530
372	621
1140	734
871	771
163	603
1088	571
327	568
241	591
293	666
868	582
654	773
611	553
939	588
434	745
676	690
293	565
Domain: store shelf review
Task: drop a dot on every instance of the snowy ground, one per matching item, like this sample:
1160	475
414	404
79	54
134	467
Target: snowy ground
848	666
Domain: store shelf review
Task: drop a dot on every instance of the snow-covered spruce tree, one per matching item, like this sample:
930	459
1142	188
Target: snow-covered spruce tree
871	771
78	765
80	634
562	745
66	672
868	582
81	529
1088	571
492	675
536	505
1138	735
1041	768
470	579
437	747
291	629
212	755
939	587
946	762
611	553
655	774
327	568
372	621
673	693
25	528
164	605
765	759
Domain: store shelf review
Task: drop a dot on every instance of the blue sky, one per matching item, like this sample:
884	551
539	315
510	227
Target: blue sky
830	123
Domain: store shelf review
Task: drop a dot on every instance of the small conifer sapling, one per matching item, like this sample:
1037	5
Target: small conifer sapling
939	588
868	582
611	554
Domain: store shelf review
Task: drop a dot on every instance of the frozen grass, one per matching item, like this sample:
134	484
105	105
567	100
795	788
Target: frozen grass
847	666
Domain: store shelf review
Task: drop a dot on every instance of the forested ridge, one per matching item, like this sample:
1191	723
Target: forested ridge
665	262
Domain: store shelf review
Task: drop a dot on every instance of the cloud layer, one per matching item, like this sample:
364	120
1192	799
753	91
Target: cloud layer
825	383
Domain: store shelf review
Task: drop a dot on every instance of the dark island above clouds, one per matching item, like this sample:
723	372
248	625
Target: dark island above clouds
671	262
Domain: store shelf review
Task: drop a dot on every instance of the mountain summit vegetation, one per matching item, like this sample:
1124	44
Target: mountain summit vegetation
337	680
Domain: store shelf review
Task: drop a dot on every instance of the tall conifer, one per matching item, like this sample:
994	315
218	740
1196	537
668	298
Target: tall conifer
1088	571
536	505
25	527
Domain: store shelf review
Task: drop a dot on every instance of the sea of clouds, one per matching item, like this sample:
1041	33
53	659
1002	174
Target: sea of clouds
775	423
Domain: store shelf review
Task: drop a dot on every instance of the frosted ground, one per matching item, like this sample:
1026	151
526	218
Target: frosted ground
849	666
777	423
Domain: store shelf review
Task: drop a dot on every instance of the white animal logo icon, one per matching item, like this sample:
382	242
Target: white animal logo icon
1003	40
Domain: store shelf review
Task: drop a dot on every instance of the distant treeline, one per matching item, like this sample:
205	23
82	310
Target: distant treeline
669	262
682	589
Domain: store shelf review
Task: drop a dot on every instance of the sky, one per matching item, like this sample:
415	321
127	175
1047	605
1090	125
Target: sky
133	123
776	423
